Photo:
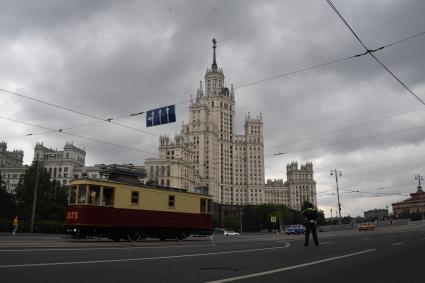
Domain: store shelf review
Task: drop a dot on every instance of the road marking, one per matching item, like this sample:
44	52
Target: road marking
103	248
289	267
138	259
286	244
325	243
397	244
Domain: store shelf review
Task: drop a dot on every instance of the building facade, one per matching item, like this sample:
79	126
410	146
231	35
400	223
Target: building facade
11	167
62	165
175	167
210	154
10	159
375	214
298	188
414	205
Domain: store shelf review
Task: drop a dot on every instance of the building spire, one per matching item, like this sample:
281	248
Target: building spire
214	64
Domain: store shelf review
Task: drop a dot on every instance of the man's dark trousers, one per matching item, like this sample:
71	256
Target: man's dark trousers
310	227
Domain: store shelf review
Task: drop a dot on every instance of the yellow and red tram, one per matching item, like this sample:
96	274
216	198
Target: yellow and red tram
105	208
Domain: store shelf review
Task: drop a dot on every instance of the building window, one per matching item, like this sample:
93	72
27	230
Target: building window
171	201
134	197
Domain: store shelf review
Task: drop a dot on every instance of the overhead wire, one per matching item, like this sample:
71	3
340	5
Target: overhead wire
368	162
370	52
351	140
76	135
172	161
110	120
346	128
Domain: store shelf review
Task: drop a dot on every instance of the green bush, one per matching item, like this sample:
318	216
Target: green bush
6	225
45	226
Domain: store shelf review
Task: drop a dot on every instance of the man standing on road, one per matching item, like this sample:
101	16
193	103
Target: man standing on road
15	225
310	216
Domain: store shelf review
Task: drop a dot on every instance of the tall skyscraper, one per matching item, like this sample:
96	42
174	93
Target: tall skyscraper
230	166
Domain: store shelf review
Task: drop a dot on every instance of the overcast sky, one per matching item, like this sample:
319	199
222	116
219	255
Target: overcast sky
114	58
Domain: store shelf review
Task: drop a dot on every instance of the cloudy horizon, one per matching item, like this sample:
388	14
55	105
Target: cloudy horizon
112	59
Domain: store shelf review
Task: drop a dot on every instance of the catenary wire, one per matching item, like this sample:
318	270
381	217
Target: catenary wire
94	140
347	128
349	140
79	136
100	120
370	52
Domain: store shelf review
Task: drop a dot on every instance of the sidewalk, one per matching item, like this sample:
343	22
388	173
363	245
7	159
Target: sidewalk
33	235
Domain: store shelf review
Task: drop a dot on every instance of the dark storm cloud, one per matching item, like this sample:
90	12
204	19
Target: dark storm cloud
112	58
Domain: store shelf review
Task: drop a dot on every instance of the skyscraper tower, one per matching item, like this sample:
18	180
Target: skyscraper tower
230	166
210	127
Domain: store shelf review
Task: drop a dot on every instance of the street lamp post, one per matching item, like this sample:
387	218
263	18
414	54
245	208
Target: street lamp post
336	173
420	178
34	199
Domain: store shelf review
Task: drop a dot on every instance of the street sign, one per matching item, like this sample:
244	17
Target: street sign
163	115
273	219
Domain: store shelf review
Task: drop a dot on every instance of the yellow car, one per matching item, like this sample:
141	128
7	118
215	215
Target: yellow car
366	226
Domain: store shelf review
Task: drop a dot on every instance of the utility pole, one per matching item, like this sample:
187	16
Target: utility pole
34	199
336	173
420	178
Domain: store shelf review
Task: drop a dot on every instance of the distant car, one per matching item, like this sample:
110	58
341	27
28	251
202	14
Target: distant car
366	226
295	229
230	233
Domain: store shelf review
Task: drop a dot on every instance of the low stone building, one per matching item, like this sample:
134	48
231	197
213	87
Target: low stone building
414	205
376	214
11	167
298	188
62	165
174	167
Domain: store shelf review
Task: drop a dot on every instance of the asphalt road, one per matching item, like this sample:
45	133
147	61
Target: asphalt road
390	254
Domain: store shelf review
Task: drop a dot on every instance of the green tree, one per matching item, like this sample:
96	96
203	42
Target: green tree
321	217
7	207
231	223
51	200
256	218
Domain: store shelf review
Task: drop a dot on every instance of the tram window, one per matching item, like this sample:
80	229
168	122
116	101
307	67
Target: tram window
210	206
171	201
82	190
94	195
203	205
134	197
108	196
73	195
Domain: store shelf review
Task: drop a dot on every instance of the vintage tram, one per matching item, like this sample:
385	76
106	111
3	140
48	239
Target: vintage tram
118	210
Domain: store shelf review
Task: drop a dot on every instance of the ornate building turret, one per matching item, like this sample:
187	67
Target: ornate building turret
3	147
214	77
200	91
